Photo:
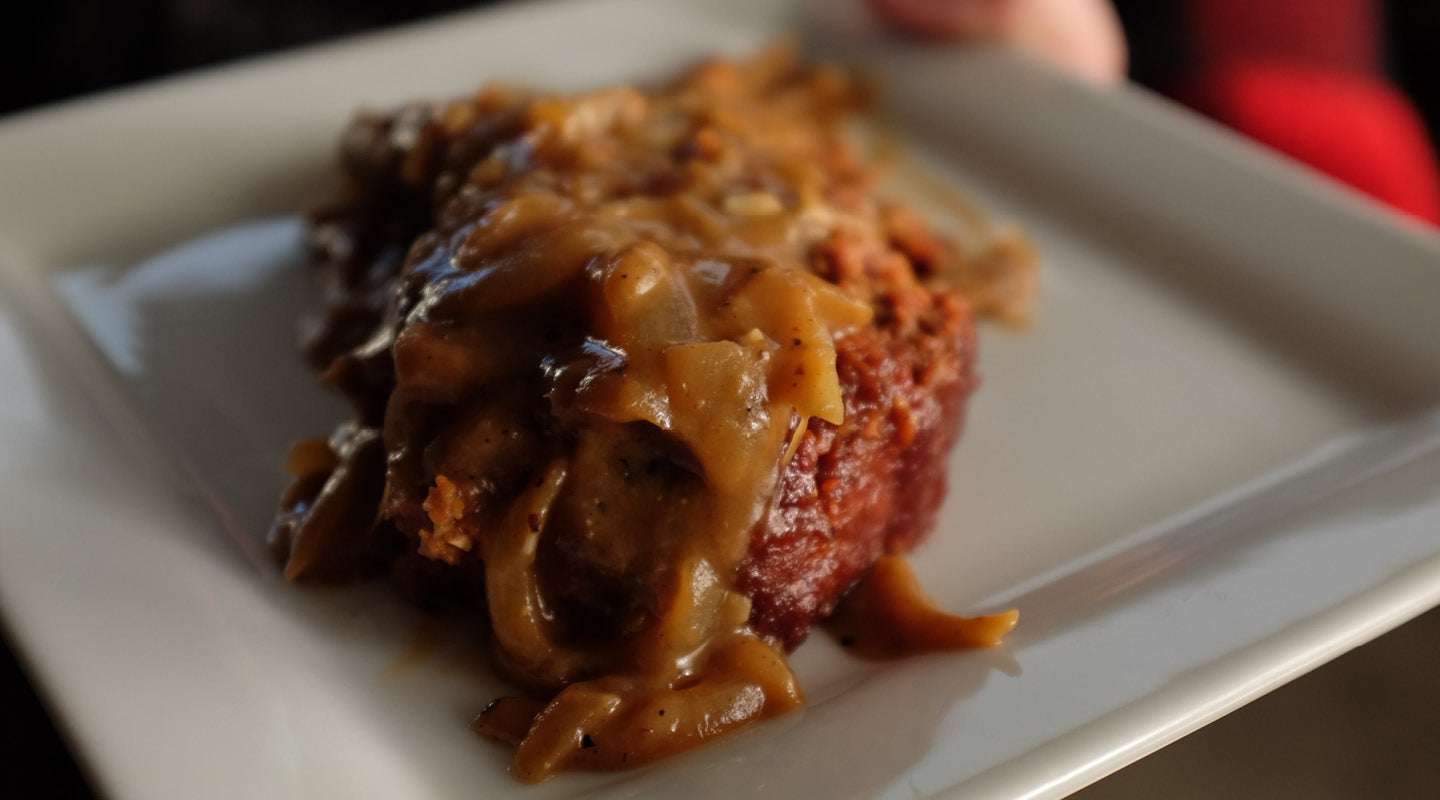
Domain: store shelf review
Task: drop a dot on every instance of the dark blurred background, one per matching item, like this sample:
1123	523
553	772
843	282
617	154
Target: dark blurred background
56	50
1363	726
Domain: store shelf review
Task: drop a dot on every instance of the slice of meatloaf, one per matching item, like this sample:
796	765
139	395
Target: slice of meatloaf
647	377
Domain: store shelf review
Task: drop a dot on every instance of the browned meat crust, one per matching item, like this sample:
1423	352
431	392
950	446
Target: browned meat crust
871	485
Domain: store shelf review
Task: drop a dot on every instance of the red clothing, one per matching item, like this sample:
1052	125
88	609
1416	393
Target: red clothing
1305	77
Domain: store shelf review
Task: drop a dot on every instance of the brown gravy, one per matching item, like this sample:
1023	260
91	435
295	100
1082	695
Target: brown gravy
888	616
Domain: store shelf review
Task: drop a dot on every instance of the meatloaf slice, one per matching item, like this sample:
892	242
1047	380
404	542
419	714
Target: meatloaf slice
646	378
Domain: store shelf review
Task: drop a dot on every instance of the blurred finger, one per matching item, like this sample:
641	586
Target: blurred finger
1083	36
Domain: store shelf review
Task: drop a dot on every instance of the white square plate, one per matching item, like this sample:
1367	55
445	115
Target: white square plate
1213	464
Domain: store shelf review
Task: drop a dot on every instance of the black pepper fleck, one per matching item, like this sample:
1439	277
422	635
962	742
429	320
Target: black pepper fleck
586	742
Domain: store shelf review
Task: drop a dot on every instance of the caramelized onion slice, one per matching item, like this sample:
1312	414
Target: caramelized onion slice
626	720
524	639
721	411
327	519
887	615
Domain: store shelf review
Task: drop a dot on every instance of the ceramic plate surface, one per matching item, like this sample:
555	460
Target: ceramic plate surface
1212	464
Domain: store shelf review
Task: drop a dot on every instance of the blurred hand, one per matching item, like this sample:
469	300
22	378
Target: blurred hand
1083	36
